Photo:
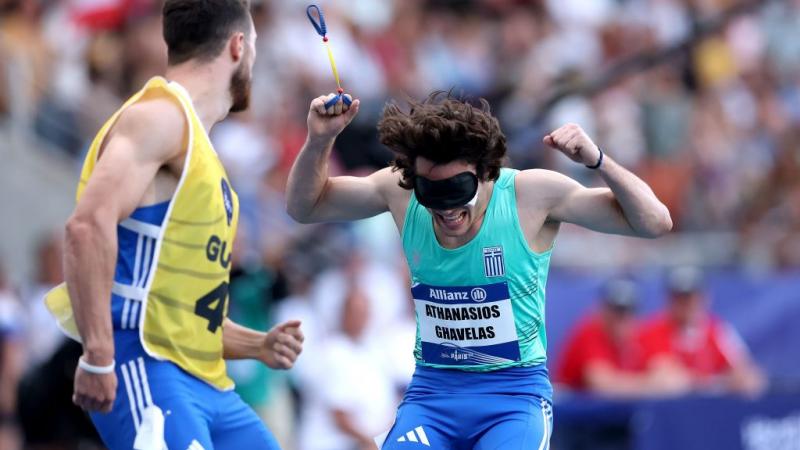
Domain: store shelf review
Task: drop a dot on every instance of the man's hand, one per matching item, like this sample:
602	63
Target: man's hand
94	392
668	377
282	344
572	141
326	124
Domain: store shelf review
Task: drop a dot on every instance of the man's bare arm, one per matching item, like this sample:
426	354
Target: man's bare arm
146	136
311	195
744	375
628	206
278	348
604	379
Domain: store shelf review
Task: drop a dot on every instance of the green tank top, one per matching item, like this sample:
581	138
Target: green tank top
479	307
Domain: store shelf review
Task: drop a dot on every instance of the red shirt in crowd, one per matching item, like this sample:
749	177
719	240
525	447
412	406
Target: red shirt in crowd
590	342
706	350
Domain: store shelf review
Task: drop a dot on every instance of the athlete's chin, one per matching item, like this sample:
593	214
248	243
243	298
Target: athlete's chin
241	102
453	229
240	91
240	105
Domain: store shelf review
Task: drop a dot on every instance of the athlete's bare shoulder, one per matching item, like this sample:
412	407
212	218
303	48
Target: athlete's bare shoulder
156	127
538	191
387	181
541	188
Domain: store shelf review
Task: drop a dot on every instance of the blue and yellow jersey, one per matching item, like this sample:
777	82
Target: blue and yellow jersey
173	263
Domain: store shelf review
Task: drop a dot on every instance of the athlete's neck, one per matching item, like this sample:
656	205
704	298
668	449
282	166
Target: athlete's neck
209	88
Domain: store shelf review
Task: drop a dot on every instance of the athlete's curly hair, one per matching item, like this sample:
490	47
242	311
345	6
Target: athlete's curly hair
442	129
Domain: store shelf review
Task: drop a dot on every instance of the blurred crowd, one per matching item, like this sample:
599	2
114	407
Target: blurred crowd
712	126
616	354
682	348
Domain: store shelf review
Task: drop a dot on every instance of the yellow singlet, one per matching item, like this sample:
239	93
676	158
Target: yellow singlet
185	300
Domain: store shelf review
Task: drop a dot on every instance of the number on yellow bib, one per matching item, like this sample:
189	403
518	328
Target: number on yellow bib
212	306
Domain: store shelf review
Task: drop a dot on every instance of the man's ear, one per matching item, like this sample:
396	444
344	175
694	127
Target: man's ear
236	46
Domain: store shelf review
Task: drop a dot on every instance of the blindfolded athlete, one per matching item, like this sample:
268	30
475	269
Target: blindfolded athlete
478	239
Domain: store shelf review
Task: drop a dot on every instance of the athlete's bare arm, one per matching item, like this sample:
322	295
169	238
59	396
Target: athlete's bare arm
312	196
278	348
627	206
147	137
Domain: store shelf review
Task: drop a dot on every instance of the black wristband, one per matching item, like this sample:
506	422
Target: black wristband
599	161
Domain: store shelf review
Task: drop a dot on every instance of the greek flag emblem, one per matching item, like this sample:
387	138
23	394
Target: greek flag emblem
493	264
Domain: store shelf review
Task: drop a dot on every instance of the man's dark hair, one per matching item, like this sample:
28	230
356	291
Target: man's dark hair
443	129
200	28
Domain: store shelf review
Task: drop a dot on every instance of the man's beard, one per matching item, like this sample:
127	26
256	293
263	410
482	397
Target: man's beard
240	89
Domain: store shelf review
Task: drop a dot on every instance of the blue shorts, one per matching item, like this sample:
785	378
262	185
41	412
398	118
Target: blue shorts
507	409
196	415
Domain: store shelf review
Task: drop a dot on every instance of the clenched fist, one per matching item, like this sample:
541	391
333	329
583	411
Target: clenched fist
572	141
94	392
282	345
324	124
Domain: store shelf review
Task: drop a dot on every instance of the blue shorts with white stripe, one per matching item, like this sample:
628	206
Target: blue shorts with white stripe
196	416
508	409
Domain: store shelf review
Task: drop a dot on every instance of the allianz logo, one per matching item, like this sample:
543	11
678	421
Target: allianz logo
476	294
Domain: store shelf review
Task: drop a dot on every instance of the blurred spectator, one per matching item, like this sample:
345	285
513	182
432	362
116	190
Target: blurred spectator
688	337
43	336
11	361
48	417
603	355
303	260
25	54
355	400
250	300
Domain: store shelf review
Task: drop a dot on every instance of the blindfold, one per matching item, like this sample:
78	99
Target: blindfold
450	193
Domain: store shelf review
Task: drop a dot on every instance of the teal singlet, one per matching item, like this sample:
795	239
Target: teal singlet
479	307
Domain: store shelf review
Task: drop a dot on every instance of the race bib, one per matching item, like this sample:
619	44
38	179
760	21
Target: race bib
467	325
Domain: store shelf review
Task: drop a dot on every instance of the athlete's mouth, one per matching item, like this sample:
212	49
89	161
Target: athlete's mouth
453	220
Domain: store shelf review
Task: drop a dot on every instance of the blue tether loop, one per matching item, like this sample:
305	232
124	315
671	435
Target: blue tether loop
320	26
322	30
335	99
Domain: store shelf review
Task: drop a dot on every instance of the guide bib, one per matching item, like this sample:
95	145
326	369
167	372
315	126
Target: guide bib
184	294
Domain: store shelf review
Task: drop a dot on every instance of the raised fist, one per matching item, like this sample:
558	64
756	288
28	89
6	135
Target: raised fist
328	123
572	141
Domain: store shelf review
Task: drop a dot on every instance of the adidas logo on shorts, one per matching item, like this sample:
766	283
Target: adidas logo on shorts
415	435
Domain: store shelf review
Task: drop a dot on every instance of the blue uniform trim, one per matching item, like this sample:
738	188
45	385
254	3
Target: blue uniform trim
533	382
196	415
135	257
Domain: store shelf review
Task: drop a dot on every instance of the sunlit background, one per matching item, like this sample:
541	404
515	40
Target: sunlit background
701	98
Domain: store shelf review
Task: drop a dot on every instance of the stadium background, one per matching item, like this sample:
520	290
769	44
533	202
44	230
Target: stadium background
701	98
